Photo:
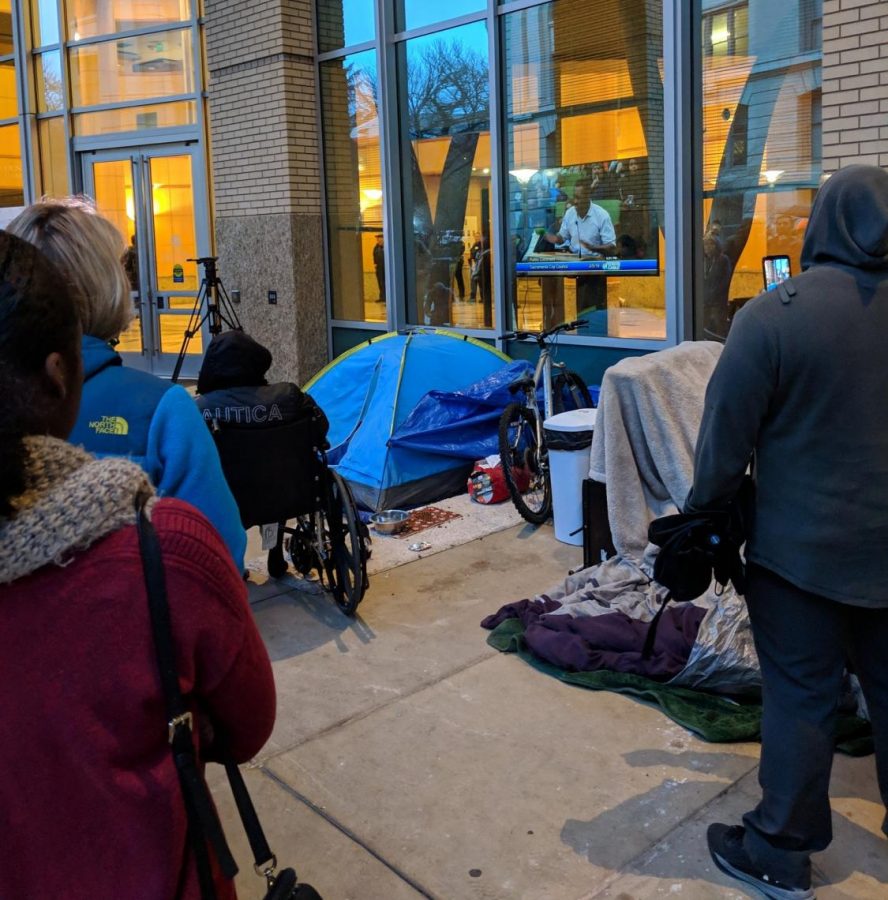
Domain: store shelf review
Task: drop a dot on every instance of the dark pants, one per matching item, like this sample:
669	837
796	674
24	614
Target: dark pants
591	292
458	281
380	282
803	641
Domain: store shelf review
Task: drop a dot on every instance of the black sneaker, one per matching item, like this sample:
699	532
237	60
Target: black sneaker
726	848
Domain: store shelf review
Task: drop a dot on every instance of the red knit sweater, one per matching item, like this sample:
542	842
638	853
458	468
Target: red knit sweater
90	804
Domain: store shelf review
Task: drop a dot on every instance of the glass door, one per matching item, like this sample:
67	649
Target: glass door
157	198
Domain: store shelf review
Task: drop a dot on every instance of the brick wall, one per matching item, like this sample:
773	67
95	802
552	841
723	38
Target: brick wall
855	83
266	175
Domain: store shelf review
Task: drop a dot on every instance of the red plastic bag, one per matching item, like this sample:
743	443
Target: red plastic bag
487	483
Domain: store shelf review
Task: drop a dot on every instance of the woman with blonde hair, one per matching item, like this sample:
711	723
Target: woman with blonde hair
126	412
91	798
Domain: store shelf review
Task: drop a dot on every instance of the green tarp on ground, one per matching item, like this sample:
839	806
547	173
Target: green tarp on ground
713	718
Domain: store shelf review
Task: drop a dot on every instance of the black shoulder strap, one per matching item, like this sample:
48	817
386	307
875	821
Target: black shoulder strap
203	821
264	860
786	290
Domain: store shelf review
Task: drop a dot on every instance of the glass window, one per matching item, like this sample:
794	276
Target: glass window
11	184
343	23
584	140
136	118
445	123
6	45
45	22
761	148
50	96
8	96
353	167
90	18
134	68
174	236
53	156
416	13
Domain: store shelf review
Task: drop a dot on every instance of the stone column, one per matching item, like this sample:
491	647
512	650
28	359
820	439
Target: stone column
266	176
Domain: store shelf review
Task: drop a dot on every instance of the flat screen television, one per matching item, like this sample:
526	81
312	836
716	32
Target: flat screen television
540	199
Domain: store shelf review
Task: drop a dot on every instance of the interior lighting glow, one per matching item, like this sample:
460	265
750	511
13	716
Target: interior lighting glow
523	175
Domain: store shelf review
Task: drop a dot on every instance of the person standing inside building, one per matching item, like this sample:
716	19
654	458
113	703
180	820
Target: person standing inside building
717	274
379	266
800	389
588	231
457	268
480	276
474	268
126	412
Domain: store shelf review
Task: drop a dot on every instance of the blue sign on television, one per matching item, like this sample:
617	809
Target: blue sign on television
572	265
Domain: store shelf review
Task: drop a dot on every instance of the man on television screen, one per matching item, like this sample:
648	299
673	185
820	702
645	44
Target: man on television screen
587	230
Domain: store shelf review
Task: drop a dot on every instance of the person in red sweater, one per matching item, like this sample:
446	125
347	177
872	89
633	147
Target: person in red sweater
90	802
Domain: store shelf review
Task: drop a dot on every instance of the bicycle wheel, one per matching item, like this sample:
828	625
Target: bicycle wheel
524	459
346	561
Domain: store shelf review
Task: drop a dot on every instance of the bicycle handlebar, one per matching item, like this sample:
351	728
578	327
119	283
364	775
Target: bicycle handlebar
541	336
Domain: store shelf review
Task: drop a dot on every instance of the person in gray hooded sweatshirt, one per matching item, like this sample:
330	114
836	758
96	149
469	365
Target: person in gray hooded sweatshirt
801	389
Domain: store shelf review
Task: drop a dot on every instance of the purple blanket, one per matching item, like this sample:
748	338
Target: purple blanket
609	641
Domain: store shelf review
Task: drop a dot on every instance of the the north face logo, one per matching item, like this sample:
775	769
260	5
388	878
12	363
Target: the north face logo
110	425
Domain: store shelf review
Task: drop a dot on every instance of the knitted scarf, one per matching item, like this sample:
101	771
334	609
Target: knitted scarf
71	500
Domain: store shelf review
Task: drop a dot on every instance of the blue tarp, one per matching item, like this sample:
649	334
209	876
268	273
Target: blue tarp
370	391
462	424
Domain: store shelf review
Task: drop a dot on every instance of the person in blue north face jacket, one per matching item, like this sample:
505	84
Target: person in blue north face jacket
126	412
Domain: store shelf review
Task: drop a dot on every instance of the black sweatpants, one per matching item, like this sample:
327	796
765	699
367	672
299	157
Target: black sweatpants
803	641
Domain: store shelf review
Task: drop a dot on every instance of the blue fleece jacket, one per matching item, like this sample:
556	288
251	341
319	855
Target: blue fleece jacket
125	412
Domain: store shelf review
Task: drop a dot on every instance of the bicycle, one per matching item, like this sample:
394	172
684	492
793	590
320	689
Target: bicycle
522	441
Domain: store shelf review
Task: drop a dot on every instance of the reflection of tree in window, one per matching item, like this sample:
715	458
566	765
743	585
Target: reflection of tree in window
446	96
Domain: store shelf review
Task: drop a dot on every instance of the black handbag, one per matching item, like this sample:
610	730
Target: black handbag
204	828
697	547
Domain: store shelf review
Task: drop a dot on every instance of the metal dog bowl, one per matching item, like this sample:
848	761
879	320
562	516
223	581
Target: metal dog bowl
389	521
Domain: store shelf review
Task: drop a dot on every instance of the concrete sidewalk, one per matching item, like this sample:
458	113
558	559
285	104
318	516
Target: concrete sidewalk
411	760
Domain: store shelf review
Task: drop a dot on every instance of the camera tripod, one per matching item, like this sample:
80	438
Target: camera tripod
219	310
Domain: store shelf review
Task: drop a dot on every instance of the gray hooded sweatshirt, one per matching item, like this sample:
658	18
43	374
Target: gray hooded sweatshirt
803	385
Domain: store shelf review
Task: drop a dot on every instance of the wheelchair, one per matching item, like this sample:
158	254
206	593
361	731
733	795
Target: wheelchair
279	474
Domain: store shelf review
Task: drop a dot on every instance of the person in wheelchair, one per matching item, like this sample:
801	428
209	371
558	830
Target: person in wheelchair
232	388
272	440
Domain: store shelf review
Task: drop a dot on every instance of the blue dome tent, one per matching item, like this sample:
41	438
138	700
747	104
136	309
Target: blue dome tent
371	389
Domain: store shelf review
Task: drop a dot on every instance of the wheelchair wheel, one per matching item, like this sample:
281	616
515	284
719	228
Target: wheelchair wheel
346	561
301	547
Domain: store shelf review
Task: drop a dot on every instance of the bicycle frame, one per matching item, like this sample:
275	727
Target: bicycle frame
519	420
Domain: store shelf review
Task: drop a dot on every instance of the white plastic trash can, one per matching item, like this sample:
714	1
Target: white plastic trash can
569	439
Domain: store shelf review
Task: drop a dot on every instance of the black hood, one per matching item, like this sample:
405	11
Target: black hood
233	359
849	221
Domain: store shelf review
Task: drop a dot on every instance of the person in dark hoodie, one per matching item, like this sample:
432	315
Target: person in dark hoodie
233	390
126	412
800	389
